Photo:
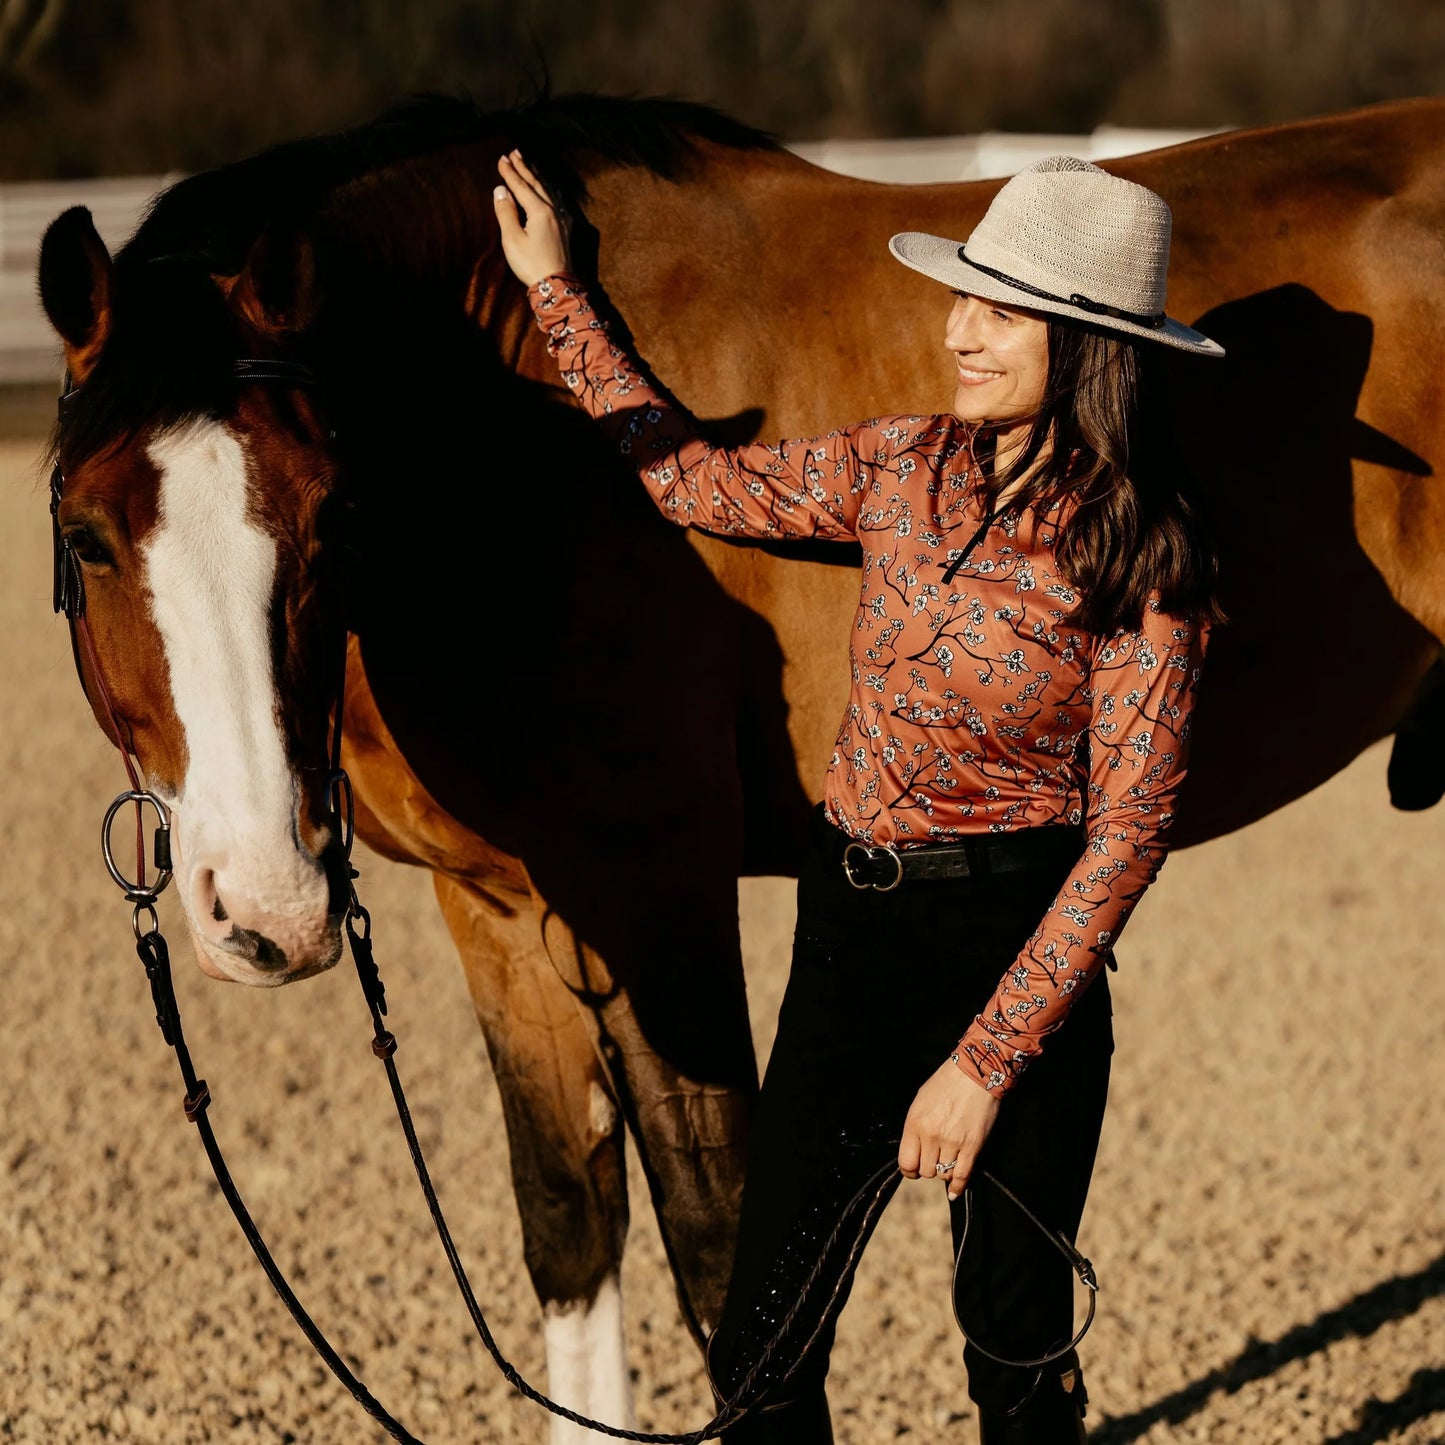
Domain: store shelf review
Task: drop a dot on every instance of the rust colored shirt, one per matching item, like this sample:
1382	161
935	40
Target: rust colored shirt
975	706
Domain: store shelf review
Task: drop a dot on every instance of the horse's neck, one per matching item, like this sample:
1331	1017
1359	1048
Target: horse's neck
762	283
750	278
754	284
401	343
420	224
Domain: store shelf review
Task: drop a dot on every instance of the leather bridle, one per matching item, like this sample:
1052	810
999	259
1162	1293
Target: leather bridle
855	1219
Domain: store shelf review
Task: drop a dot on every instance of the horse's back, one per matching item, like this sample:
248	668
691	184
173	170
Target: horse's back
1315	253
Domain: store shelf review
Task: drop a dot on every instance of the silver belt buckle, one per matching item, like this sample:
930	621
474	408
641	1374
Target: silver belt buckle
872	854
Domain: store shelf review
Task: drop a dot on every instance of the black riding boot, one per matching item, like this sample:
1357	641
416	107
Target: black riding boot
1052	1413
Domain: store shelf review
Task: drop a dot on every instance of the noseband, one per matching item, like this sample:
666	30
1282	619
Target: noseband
850	1230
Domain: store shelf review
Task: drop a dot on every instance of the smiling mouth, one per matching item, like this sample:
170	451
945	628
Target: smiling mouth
970	377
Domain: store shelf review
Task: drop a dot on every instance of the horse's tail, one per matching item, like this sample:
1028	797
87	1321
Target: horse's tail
1417	761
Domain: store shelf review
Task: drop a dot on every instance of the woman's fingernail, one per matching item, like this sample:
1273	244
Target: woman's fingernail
499	192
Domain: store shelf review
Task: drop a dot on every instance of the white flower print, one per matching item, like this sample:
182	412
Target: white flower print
1005	688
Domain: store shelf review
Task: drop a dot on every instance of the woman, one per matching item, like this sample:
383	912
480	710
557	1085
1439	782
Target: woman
1034	609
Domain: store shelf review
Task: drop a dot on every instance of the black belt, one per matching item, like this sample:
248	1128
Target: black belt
883	867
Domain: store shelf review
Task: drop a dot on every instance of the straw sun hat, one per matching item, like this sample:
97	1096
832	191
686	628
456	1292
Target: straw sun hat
1068	238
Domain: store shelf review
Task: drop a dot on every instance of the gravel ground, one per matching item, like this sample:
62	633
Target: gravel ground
1268	1216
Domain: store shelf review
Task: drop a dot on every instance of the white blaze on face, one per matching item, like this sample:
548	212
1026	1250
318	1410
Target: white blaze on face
243	871
587	1364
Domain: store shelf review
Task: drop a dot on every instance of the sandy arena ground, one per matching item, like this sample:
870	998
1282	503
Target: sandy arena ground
1268	1216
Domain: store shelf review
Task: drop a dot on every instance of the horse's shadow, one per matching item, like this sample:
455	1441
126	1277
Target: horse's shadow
1318	660
1383	1304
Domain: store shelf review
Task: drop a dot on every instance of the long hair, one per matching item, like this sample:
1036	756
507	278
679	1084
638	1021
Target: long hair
1129	531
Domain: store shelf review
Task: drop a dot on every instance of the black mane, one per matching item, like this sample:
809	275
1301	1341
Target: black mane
172	339
218	213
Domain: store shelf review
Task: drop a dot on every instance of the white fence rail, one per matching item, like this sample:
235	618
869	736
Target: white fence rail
29	353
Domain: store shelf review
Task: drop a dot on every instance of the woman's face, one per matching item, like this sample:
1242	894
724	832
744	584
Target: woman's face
1002	357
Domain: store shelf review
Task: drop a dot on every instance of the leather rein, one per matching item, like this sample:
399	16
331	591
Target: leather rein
855	1219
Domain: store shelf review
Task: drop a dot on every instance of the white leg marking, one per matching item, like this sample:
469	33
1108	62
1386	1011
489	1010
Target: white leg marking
601	1111
211	572
587	1364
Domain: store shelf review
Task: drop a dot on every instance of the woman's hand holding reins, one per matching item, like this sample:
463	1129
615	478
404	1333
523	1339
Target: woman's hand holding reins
950	1118
537	247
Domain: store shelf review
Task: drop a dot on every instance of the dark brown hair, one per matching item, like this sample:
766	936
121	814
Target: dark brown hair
1133	531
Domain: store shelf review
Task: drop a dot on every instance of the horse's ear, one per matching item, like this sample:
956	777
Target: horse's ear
275	291
76	284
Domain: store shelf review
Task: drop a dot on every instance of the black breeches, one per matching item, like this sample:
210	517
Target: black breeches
882	986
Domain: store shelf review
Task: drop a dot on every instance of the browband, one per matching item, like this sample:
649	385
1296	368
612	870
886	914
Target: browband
292	373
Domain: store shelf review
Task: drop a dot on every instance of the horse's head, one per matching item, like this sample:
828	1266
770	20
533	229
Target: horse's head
199	505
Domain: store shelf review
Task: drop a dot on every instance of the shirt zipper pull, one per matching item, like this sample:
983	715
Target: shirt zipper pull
950	569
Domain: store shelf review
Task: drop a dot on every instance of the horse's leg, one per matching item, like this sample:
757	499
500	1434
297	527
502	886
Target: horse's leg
1417	769
565	1133
671	1004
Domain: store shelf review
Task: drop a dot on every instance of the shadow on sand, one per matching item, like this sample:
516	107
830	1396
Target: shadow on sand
1382	1418
1394	1299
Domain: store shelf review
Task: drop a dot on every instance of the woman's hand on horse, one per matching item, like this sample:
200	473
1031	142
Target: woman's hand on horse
536	247
950	1118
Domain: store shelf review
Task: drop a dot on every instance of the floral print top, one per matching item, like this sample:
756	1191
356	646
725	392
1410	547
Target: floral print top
975	707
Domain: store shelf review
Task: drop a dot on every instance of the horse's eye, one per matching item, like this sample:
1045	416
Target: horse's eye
335	518
88	547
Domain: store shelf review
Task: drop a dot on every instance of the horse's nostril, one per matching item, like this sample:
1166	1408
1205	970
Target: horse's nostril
206	898
300	933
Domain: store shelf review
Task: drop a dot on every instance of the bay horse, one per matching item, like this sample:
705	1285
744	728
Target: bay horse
587	723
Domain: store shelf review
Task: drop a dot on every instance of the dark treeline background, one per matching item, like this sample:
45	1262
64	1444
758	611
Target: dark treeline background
113	86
